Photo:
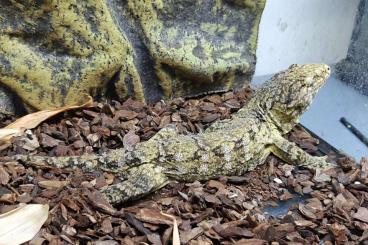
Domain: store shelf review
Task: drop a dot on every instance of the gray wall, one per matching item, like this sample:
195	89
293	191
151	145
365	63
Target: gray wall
304	31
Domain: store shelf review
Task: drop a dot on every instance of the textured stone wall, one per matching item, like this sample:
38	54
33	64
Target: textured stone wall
354	69
53	51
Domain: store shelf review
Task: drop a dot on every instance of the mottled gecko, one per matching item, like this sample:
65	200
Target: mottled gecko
227	147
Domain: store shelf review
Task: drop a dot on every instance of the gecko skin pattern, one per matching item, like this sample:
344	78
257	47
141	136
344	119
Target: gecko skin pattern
227	147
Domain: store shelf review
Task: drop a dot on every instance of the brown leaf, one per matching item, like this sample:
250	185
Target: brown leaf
166	200
175	117
106	242
34	119
210	107
53	184
210	118
79	144
8	198
186	236
90	113
228	95
216	184
361	214
134	105
24	198
68	230
216	99
321	176
100	202
106	226
30	141
364	169
286	196
253	241
4	176
212	199
232	103
152	237
165	120
313	209
129	125
125	114
306	212
339	232
130	140
100	182
154	217
48	141
282	230
233	232
64	211
304	223
93	138
70	203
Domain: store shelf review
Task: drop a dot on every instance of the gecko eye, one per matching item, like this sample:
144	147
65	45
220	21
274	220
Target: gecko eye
309	81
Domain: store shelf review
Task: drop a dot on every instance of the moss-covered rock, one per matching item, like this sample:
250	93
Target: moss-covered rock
53	51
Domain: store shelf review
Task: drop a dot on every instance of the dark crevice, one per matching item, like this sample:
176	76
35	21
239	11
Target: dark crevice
142	60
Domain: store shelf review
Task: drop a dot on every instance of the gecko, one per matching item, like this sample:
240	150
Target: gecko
226	148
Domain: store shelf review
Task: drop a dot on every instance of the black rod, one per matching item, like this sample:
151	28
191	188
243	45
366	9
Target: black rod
354	130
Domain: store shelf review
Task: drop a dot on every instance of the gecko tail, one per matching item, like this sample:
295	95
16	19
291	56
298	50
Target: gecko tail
84	162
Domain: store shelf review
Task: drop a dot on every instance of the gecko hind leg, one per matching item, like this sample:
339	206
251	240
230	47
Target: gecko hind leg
142	180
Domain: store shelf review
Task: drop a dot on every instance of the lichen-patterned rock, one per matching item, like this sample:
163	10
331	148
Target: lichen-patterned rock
200	46
6	101
354	68
53	51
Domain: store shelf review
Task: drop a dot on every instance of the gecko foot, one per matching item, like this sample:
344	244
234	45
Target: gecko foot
318	163
142	180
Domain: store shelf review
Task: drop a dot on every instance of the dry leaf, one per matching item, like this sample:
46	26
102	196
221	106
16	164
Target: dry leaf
361	214
22	224
7	133
130	139
53	184
34	119
154	217
4	176
251	242
188	235
175	238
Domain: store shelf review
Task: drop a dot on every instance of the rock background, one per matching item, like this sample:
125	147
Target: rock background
6	100
52	52
354	69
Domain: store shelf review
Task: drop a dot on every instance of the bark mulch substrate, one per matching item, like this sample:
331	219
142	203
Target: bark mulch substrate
328	207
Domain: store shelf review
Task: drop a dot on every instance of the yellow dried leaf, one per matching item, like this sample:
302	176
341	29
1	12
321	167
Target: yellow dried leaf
9	132
175	238
22	224
34	119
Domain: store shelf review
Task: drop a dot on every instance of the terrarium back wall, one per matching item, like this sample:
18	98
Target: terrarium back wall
304	31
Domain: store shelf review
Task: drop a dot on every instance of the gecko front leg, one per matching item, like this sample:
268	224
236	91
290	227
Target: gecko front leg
141	180
291	153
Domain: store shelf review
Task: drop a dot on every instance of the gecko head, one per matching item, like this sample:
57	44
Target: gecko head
288	94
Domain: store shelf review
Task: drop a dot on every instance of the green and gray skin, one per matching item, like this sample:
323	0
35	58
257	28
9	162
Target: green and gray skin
227	147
